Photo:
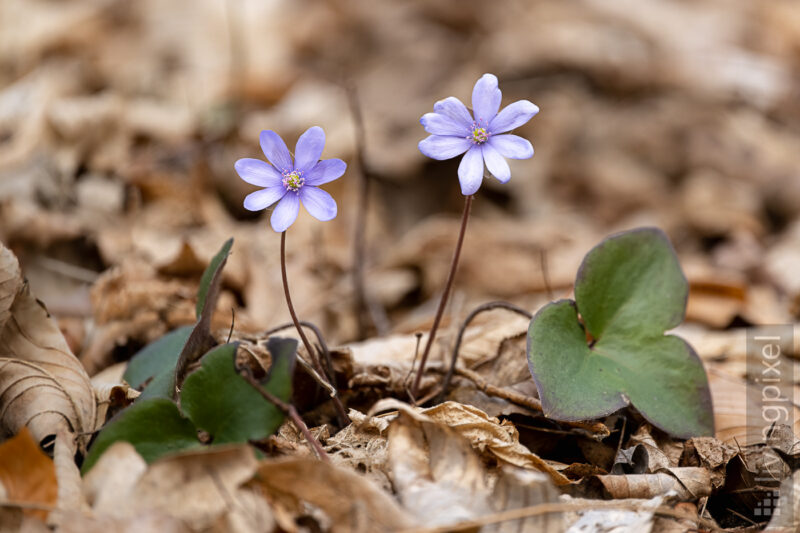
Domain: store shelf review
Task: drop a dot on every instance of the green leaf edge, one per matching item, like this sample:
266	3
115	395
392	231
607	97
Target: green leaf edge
550	410
208	274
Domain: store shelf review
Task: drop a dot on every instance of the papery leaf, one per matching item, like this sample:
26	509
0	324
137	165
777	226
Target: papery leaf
154	427
42	384
220	401
629	290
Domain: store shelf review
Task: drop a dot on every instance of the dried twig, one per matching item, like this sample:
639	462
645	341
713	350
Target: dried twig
475	312
598	429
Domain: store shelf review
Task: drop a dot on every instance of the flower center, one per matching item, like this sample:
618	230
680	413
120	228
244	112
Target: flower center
479	135
293	180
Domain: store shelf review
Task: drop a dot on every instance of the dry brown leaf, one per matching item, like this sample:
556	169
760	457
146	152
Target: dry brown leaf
350	502
42	384
486	433
597	519
200	489
362	446
437	475
27	474
441	479
689	483
519	488
111	481
737	410
196	487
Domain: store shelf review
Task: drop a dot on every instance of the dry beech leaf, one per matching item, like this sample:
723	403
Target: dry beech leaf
437	475
351	502
737	409
27	474
690	483
198	488
109	483
362	446
42	384
596	519
441	479
485	433
519	488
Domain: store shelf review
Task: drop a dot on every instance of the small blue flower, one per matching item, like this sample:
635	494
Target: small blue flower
454	131
290	183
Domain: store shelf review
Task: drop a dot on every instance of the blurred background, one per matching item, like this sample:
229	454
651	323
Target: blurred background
120	123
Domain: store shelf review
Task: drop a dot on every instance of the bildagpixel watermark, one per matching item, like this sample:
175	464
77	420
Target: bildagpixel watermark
770	409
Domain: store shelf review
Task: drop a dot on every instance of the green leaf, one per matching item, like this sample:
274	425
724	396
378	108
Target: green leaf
156	358
629	290
210	272
155	428
220	401
200	339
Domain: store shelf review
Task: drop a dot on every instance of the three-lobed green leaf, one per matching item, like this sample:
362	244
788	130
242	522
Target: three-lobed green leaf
592	356
154	427
221	402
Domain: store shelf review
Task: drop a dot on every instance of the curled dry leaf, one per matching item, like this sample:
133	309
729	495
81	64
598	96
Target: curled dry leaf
487	434
498	439
351	502
442	480
198	488
42	384
689	483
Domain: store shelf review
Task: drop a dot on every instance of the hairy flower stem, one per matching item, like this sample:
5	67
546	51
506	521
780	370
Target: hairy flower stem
312	354
445	295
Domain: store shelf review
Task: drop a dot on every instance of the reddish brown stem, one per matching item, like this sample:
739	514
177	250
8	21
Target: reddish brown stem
445	295
342	414
290	411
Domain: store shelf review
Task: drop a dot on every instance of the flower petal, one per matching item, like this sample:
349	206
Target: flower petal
285	212
325	171
495	163
318	203
513	116
257	172
275	150
470	171
256	201
439	124
486	99
309	148
453	108
443	146
512	146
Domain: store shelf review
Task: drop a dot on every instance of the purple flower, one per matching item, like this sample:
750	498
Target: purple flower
454	131
290	183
